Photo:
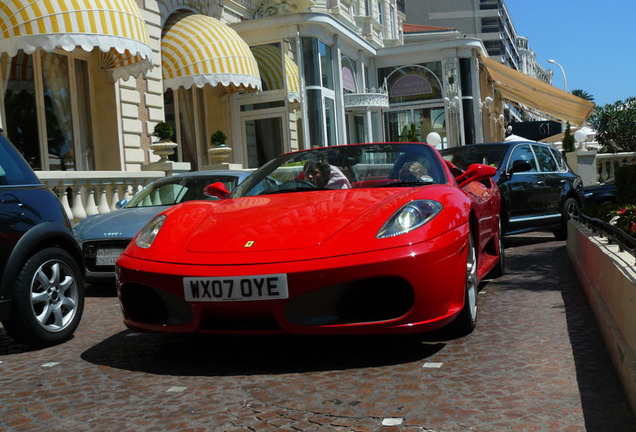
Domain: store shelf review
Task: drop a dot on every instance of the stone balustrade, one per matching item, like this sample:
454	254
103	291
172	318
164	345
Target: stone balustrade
606	164
86	193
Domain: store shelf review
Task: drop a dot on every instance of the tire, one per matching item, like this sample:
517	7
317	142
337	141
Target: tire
498	270
467	318
48	299
571	210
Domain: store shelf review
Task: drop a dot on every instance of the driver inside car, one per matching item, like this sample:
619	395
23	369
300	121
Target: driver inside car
325	175
415	172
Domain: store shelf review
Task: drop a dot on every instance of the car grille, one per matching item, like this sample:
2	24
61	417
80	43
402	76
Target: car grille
90	250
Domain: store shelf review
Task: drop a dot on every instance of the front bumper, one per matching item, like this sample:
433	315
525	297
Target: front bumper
414	288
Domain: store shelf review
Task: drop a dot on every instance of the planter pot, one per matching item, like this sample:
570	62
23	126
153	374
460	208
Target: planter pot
608	277
163	149
219	154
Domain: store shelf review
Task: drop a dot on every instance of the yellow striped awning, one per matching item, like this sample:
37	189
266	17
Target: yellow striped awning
114	26
270	65
524	90
198	49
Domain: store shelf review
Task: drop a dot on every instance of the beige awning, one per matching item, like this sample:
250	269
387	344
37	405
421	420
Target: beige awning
201	50
536	94
114	26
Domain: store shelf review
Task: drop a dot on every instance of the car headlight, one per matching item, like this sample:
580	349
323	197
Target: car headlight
148	233
409	217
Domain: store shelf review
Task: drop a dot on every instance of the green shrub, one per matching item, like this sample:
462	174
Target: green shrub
622	217
626	184
568	139
218	138
163	131
599	211
625	219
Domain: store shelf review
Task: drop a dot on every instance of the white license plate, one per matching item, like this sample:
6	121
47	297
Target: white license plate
107	257
236	288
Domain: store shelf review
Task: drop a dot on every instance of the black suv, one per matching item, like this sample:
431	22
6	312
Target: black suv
41	276
538	189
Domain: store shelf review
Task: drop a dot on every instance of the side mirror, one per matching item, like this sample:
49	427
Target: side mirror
520	166
475	172
122	202
216	190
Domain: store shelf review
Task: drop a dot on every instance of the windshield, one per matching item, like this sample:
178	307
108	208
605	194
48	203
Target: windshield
178	189
464	156
347	167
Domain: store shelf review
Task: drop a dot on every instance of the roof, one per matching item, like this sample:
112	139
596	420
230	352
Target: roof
418	28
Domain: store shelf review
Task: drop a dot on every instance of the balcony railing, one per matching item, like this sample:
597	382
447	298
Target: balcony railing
86	193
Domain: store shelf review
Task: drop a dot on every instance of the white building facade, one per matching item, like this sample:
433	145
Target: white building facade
273	75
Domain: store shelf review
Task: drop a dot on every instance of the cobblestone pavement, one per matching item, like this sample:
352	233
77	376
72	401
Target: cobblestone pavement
535	363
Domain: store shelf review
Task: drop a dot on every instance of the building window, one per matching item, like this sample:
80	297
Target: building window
413	83
380	12
47	115
349	75
319	80
185	111
326	65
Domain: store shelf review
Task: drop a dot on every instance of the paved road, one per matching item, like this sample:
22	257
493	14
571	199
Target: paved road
535	363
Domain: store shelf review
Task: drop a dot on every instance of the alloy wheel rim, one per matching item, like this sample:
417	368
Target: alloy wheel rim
501	245
573	211
54	295
471	279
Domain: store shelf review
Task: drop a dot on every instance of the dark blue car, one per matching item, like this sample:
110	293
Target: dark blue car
41	270
104	237
538	189
603	194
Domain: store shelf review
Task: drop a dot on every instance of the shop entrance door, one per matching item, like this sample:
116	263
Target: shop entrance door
265	139
426	120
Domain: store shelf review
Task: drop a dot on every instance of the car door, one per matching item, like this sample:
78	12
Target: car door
520	182
523	191
551	182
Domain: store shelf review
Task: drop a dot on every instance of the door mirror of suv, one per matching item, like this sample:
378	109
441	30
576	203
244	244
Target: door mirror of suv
121	203
520	166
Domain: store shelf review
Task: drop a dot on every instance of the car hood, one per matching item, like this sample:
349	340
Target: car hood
285	221
122	223
295	226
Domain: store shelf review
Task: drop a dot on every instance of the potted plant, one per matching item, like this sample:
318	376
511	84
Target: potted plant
218	138
219	152
164	131
165	146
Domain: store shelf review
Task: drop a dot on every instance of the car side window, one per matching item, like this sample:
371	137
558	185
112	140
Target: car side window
522	155
546	161
563	167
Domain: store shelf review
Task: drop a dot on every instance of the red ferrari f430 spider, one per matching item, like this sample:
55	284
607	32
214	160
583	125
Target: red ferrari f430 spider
379	238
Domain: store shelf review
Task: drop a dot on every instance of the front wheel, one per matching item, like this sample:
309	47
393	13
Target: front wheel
48	299
467	318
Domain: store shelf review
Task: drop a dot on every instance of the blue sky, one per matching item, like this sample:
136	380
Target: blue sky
594	41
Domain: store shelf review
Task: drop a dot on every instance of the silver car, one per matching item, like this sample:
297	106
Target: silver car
104	237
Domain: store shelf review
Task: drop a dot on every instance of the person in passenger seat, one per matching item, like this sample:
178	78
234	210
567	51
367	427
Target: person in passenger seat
325	175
